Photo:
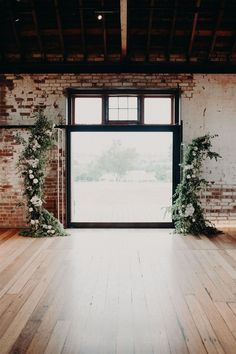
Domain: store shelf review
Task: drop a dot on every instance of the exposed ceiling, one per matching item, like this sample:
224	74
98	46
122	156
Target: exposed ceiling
112	33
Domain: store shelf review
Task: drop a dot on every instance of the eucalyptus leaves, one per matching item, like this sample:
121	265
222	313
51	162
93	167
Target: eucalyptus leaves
187	211
32	164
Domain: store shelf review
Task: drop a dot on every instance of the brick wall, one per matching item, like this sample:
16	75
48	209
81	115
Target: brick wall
207	100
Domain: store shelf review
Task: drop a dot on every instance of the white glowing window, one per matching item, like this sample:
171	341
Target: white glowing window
123	108
157	110
88	110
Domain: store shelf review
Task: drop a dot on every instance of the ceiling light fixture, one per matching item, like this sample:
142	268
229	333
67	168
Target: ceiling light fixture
99	17
17	19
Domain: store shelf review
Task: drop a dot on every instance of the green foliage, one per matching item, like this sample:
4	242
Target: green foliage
31	165
187	211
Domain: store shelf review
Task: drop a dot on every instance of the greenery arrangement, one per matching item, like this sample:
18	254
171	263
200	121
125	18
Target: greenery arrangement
187	211
31	165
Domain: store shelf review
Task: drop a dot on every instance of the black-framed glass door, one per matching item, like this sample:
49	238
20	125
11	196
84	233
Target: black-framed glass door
122	176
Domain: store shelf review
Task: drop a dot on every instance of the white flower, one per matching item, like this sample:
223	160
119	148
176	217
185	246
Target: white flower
194	153
32	222
35	180
49	227
53	232
195	148
36	221
189	210
33	162
36	201
193	175
45	226
48	132
31	209
30	172
188	176
48	231
31	176
193	220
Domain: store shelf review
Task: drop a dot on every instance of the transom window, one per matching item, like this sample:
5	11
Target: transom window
110	107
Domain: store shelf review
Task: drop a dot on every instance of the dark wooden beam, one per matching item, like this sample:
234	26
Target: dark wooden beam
172	31
104	32
149	33
59	26
218	22
126	67
82	29
115	31
123	25
195	18
14	29
34	15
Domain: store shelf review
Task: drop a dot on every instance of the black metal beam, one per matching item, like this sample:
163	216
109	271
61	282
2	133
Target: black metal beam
140	67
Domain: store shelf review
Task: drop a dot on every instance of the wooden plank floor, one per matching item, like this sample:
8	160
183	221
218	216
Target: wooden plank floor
118	291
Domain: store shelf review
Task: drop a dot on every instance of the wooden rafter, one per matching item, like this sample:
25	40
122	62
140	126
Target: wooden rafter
82	28
172	31
14	29
104	32
149	33
123	24
40	43
218	22
195	18
59	26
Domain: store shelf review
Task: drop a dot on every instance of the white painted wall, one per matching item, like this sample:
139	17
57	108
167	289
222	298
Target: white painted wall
212	108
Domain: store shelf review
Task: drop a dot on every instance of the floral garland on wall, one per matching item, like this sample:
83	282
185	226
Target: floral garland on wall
187	212
31	164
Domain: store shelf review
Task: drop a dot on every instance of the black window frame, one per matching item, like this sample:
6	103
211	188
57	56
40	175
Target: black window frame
175	127
141	94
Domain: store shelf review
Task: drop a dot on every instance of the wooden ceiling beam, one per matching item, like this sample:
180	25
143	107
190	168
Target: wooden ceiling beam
59	26
172	31
194	26
218	22
14	29
82	30
149	33
116	31
123	24
40	43
104	32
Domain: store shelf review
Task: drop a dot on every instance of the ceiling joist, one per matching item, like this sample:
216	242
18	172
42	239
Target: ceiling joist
35	20
218	22
150	21
123	24
172	31
59	26
82	30
194	26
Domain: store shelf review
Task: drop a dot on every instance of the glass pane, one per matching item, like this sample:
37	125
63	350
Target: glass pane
123	102
113	114
113	102
157	110
121	176
132	114
123	114
88	110
133	102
